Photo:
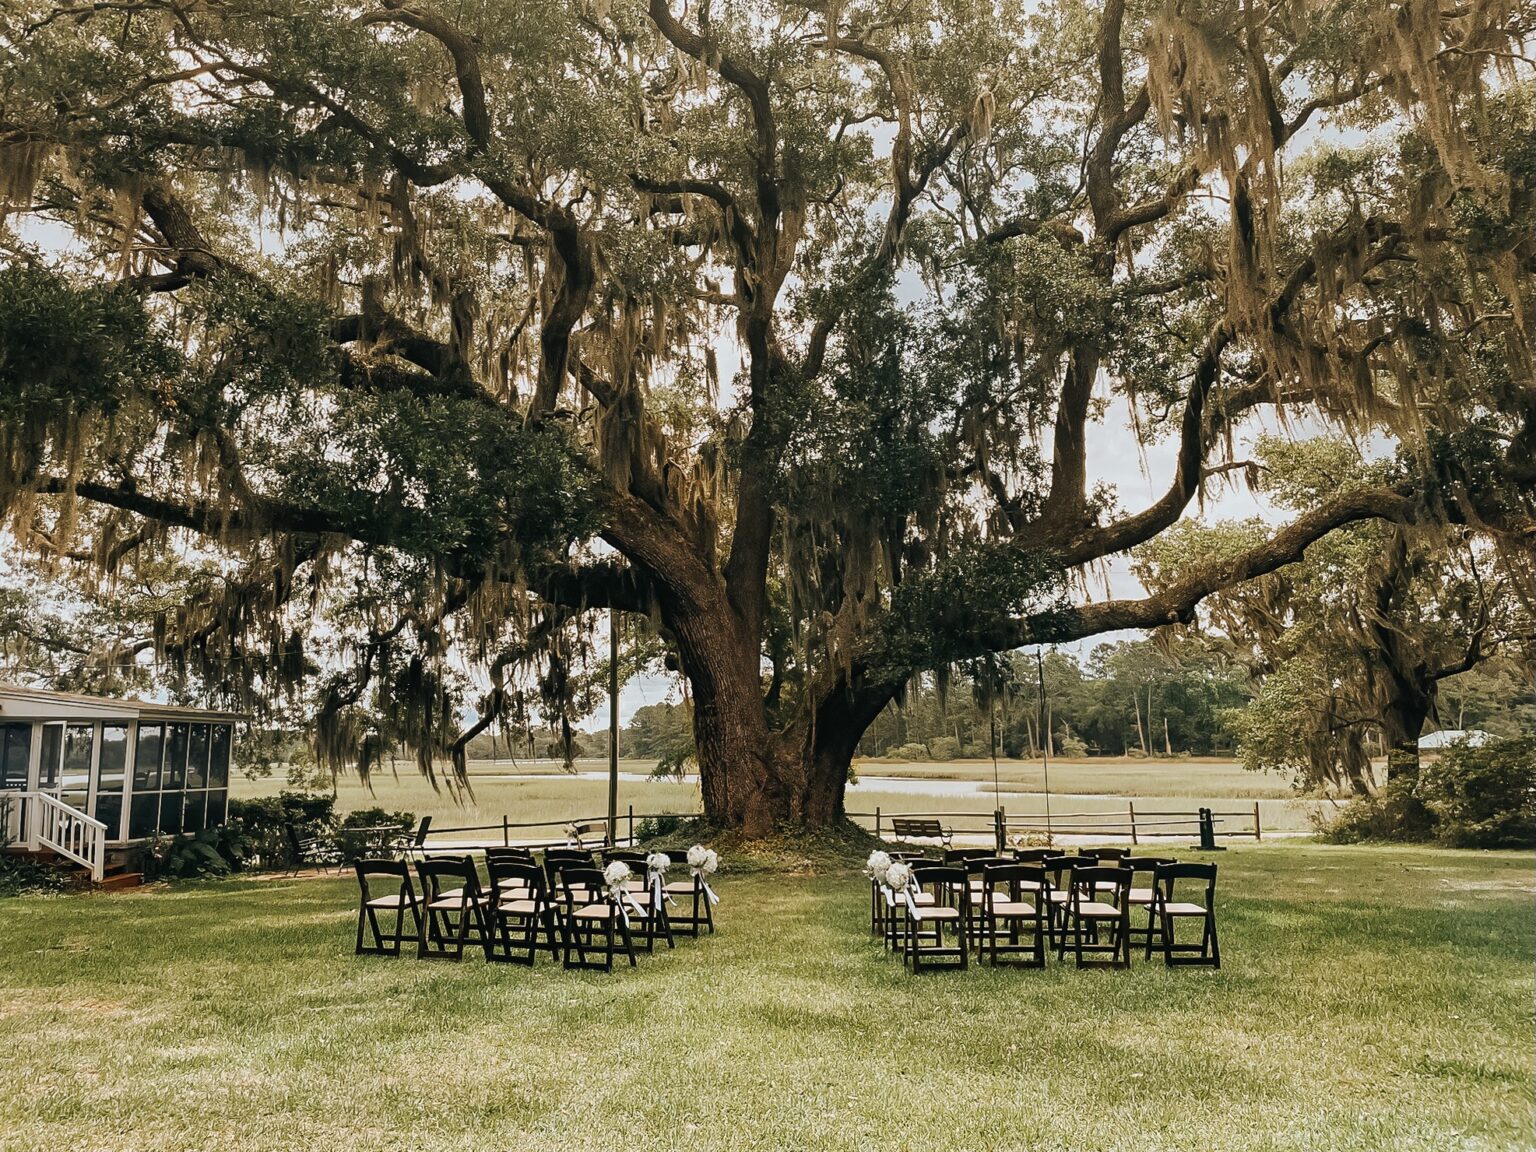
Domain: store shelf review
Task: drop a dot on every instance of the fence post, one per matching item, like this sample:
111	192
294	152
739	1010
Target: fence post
1207	831
1132	805
877	821
1000	829
631	825
506	832
1257	832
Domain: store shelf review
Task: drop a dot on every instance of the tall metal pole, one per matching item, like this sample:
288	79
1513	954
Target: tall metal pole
613	726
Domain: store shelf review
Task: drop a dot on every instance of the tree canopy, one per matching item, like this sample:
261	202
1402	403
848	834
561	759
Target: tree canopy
790	325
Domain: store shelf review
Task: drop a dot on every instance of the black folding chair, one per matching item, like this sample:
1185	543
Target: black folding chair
595	923
1167	911
694	912
455	908
1014	897
371	905
522	913
1099	917
558	858
1141	893
925	948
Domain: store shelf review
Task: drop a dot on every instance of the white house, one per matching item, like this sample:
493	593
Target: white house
80	775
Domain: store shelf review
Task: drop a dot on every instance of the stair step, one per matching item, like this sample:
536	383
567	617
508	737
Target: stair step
120	880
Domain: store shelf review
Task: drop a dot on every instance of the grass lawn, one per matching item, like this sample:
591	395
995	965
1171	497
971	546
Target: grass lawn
1371	999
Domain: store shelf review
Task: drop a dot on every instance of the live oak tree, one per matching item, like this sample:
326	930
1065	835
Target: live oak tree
787	325
1353	642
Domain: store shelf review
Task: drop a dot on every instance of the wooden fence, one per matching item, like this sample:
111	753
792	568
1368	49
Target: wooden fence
1137	826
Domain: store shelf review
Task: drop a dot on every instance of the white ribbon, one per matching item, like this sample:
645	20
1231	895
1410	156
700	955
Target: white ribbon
698	875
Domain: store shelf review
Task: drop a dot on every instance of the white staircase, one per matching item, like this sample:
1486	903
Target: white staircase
38	820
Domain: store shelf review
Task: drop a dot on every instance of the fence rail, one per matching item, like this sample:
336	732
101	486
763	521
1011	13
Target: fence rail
1207	822
998	824
626	821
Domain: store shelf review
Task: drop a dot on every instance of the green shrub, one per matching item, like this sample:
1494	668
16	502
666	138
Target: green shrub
910	752
658	827
943	748
1484	797
1469	798
258	824
1070	746
353	844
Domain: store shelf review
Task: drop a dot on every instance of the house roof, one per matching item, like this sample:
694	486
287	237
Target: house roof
41	704
1471	737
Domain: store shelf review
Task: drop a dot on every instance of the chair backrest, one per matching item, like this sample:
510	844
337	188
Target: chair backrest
1062	867
1107	853
528	874
440	872
961	855
398	871
521	855
977	866
1146	863
580	885
1035	855
1014	876
630	856
1165	875
557	859
944	877
1101	882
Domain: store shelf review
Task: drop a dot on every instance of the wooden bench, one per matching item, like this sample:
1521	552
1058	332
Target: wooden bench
919	828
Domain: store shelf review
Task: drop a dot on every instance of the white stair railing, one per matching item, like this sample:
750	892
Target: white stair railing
54	825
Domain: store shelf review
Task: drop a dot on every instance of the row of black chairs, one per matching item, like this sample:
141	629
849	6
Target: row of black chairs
560	905
1015	909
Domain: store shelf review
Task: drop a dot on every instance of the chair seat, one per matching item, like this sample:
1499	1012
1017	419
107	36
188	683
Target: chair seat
1140	896
1060	897
940	912
399	901
1097	910
594	912
518	907
680	886
447	904
451	894
513	884
1012	908
1176	908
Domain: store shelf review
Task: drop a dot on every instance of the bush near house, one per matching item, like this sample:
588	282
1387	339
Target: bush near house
1482	797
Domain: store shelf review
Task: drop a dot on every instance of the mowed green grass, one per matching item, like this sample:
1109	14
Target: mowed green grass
1370	999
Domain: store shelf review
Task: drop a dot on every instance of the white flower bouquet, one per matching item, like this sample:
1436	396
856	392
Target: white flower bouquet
877	865
615	876
702	863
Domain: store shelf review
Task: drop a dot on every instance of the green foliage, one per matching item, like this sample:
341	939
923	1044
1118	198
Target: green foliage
66	348
209	853
1471	797
943	748
1484	796
351	843
661	732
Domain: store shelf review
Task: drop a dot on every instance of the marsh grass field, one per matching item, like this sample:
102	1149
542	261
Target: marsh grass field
1370	998
526	791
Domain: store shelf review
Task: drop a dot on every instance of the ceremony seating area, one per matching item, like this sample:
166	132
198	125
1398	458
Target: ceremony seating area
570	904
1099	905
